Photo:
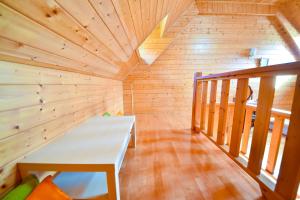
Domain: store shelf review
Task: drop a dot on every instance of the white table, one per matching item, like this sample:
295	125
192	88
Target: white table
97	145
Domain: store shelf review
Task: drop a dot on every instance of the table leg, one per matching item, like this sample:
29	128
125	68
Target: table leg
113	185
132	143
23	170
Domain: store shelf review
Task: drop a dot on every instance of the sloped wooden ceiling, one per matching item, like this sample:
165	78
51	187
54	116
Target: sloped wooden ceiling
100	37
155	44
97	37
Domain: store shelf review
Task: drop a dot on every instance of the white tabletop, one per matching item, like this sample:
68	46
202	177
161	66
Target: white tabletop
98	140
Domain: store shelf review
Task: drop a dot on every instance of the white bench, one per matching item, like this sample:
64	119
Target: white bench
97	145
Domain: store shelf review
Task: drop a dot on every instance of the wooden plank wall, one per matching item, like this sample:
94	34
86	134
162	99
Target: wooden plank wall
209	44
39	104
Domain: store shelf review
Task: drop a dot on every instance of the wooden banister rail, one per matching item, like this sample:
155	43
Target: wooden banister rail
287	183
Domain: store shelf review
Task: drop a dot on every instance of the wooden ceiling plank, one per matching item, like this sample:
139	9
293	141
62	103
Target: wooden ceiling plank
159	10
145	10
153	8
164	9
135	9
17	27
10	47
86	70
107	12
87	17
181	7
123	10
55	18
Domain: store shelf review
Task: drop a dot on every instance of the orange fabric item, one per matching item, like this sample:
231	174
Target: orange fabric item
47	190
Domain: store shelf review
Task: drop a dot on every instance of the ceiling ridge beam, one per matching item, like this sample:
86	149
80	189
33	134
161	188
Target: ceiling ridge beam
291	10
236	2
235	8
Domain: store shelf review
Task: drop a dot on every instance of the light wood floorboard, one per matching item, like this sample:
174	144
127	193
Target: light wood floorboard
173	164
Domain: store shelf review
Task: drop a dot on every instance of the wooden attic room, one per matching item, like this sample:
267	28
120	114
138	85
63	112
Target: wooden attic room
149	99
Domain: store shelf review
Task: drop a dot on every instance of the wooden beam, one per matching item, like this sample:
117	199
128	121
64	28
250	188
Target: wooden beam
278	22
212	107
274	70
194	100
235	8
239	116
261	124
223	112
289	175
290	9
203	105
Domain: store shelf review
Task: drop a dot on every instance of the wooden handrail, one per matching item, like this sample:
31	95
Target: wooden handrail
274	70
238	135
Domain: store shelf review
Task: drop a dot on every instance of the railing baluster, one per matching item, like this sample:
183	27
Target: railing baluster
195	100
223	112
235	120
229	124
203	105
289	175
275	143
261	124
247	128
212	107
239	116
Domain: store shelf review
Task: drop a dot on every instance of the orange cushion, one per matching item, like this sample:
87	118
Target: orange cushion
47	190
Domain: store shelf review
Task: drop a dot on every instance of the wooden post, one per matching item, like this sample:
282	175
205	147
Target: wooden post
198	106
261	124
289	175
223	112
195	94
238	116
247	128
212	107
203	105
275	143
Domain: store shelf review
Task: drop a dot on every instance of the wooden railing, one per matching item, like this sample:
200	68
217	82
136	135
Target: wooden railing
233	140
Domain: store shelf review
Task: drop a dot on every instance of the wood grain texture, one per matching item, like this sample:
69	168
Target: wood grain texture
39	104
236	8
274	144
291	10
223	112
238	116
205	45
165	156
261	124
203	106
156	43
101	36
246	130
196	97
289	176
212	107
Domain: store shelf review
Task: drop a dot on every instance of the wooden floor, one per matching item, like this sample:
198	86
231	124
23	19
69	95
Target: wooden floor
173	164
